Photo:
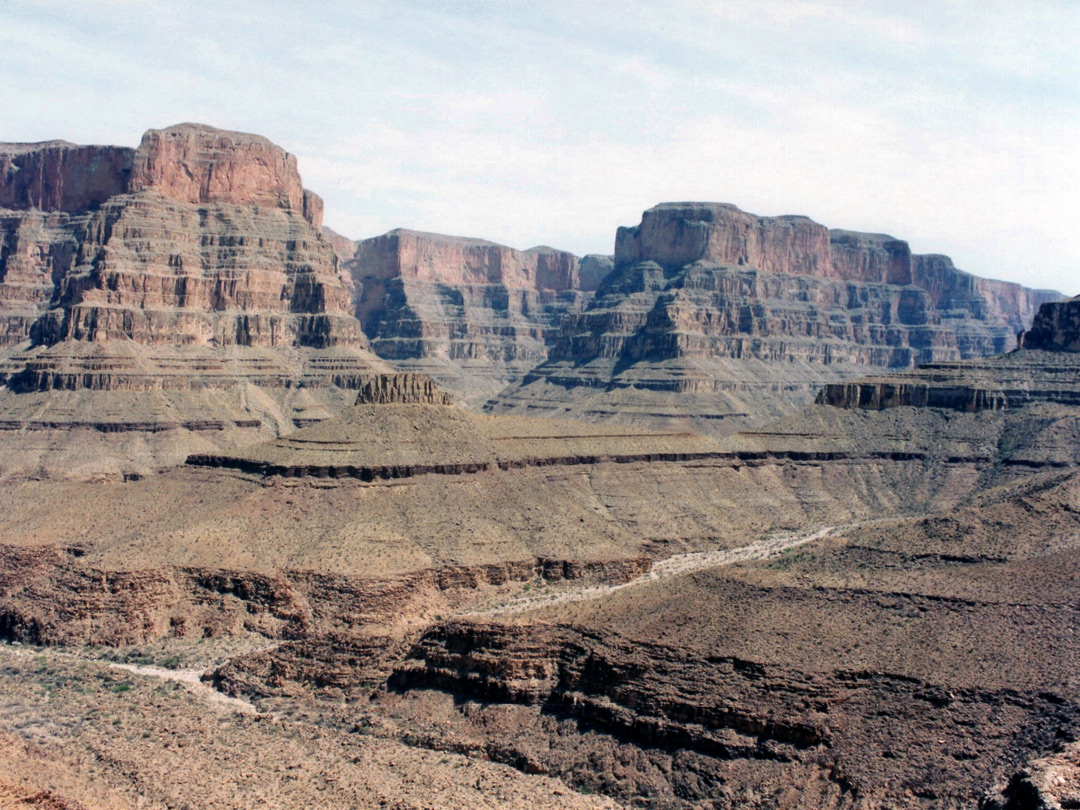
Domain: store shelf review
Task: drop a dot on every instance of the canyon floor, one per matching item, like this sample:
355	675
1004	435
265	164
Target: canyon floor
850	609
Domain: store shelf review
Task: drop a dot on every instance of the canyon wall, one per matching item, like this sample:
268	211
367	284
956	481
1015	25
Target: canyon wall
472	314
1056	327
1045	368
193	263
753	314
199	236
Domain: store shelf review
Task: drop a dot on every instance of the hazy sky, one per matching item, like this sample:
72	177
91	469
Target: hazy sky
954	125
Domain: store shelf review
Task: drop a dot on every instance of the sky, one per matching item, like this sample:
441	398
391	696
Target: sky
952	125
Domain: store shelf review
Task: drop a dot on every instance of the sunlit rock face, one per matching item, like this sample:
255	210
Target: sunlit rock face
193	263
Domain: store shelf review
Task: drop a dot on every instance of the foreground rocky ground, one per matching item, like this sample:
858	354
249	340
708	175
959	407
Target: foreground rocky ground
926	661
871	604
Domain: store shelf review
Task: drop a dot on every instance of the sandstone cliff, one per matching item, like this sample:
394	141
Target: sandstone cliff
195	262
61	176
733	318
472	314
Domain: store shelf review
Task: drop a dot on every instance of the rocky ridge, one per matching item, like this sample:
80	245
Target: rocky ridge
720	319
1045	368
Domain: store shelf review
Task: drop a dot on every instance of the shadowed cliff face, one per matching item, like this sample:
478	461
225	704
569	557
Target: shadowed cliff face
472	314
1045	368
724	272
1056	327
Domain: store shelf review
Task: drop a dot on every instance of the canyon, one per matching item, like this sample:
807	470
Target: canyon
717	320
175	296
752	514
473	315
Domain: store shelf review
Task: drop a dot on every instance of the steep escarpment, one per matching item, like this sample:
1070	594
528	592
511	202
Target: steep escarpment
1008	381
722	318
1056	328
1045	369
61	176
471	314
49	595
199	236
194	263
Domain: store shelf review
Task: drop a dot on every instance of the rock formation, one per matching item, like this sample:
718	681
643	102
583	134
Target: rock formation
471	314
853	608
193	263
1056	328
731	318
402	426
1044	369
61	176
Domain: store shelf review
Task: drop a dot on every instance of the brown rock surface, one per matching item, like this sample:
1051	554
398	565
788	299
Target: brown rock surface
88	734
197	164
997	383
919	654
61	176
1056	327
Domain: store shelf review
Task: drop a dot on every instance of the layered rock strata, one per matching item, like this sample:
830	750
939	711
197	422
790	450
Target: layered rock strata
193	263
856	668
49	596
725	319
420	435
473	315
1045	369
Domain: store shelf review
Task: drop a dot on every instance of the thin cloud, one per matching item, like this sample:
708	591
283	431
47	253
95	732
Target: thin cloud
951	124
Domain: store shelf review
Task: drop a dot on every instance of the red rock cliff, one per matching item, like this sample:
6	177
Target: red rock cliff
198	164
1056	327
470	313
677	234
60	176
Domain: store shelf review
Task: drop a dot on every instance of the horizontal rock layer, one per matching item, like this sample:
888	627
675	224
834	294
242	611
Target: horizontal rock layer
759	312
402	389
47	596
191	163
472	314
193	267
1012	380
153	244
